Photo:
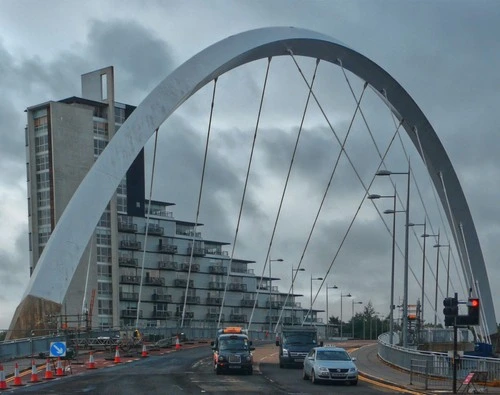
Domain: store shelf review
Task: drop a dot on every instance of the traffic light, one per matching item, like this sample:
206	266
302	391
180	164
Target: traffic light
473	311
450	310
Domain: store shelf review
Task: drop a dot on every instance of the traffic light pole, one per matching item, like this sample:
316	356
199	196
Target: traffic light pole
455	355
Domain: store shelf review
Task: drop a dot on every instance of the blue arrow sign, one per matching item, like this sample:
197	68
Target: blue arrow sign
57	349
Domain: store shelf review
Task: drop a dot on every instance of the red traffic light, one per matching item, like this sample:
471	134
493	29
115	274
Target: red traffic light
474	303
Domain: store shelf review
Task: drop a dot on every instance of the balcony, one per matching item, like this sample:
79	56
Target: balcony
214	301
237	287
161	298
161	314
154	281
248	303
125	261
188	314
187	232
130	313
214	316
292	320
274	318
180	282
127	227
130	279
167	248
241	270
216	285
154	229
130	296
238	318
130	244
275	304
196	251
194	267
168	265
217	269
190	299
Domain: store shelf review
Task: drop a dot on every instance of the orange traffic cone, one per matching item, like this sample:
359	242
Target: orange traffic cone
59	370
17	379
91	364
48	371
34	373
177	344
117	356
3	383
144	353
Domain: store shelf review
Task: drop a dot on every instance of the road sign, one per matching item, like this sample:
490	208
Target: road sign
57	349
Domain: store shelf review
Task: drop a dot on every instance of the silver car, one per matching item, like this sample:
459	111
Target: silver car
332	364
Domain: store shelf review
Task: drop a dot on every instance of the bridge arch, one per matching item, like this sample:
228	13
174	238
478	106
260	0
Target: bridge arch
60	258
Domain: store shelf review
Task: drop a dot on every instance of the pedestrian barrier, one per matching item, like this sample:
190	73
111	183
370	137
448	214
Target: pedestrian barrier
34	373
48	371
3	383
17	379
117	356
91	364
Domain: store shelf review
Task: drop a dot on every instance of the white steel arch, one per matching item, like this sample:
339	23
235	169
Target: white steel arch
65	247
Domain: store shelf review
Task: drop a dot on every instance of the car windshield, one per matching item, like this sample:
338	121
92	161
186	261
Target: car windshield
300	338
234	344
331	355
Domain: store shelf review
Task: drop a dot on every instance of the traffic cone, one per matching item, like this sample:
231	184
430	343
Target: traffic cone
177	344
59	370
91	364
144	353
48	371
34	373
17	378
117	356
3	383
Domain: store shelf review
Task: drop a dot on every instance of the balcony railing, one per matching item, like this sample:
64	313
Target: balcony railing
130	313
130	244
248	303
127	227
127	261
130	279
196	251
131	296
167	248
187	232
274	304
214	301
237	287
180	282
194	267
154	281
168	265
190	299
154	229
235	269
214	316
161	298
216	285
217	269
188	314
238	317
161	314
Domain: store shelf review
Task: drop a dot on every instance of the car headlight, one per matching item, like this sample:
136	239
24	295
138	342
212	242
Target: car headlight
221	358
353	370
323	369
248	358
285	352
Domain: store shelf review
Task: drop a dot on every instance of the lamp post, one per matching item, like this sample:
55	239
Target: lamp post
311	308
352	319
438	246
405	286
341	323
327	316
270	286
425	236
293	280
393	212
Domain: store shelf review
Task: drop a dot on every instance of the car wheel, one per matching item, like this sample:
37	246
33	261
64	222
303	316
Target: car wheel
217	370
354	382
304	375
314	380
282	365
250	371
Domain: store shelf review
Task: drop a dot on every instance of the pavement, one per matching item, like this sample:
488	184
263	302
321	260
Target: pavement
370	367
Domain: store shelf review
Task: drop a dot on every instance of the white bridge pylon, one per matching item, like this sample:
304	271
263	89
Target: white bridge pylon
62	254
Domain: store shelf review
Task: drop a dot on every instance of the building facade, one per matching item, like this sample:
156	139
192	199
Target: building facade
142	266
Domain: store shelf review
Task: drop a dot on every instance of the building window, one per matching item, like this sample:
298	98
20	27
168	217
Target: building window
42	143
121	204
104	289
43	180
101	128
103	254
103	238
99	146
119	115
101	112
105	221
43	198
40	124
44	217
105	307
103	270
42	162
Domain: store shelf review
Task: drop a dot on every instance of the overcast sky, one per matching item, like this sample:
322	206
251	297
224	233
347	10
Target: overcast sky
445	54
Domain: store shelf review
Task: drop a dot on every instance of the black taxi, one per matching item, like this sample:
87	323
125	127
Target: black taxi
233	352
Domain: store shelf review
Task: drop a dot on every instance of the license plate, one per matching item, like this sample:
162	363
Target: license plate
234	367
337	375
299	359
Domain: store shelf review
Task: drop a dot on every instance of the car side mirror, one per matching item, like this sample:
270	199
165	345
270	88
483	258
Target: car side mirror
353	359
252	348
250	342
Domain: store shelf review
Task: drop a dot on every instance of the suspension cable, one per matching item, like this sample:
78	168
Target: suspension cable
193	240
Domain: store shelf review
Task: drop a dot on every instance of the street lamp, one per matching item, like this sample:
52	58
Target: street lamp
270	286
327	317
405	287
293	297
341	323
313	279
352	319
393	212
438	246
425	236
